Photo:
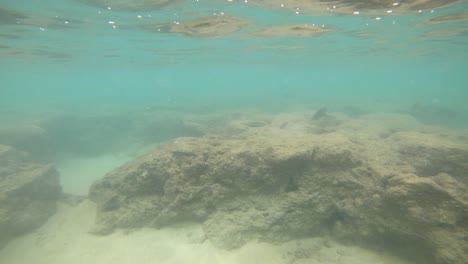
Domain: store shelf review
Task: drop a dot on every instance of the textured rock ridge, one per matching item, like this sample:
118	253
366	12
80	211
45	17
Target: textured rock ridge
404	191
28	193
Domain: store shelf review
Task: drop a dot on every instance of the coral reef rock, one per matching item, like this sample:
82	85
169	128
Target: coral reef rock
401	191
28	193
26	137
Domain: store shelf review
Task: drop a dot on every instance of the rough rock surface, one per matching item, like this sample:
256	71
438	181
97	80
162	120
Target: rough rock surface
388	184
50	136
28	193
25	137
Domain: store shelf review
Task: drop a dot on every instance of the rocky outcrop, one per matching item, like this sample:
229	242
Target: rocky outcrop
91	135
28	137
28	193
397	190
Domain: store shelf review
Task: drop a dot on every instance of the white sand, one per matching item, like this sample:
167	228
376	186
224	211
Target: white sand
78	173
64	239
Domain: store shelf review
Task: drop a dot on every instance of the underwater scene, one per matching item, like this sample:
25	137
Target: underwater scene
234	131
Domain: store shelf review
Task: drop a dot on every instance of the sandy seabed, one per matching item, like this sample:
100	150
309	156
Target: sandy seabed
78	173
65	239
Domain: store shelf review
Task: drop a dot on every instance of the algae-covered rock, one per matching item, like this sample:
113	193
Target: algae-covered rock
402	191
28	193
26	137
190	178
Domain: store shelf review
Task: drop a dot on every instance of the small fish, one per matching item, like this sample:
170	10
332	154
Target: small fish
322	112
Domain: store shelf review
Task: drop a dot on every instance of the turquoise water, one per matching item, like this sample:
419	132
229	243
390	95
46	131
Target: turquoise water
90	84
66	53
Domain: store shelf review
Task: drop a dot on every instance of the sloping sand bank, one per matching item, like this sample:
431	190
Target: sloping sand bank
65	239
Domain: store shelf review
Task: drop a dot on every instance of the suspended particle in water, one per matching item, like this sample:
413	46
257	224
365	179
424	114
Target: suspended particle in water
109	8
389	11
396	4
66	22
139	16
378	18
356	13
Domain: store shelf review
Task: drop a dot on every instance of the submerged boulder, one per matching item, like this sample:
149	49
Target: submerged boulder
28	137
28	193
435	114
275	184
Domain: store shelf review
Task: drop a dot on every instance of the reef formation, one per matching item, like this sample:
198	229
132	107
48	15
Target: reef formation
379	184
28	193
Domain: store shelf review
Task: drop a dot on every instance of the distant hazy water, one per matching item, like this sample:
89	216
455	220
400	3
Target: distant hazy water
69	54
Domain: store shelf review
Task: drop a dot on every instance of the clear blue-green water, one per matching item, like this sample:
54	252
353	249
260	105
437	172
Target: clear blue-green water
90	84
46	61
